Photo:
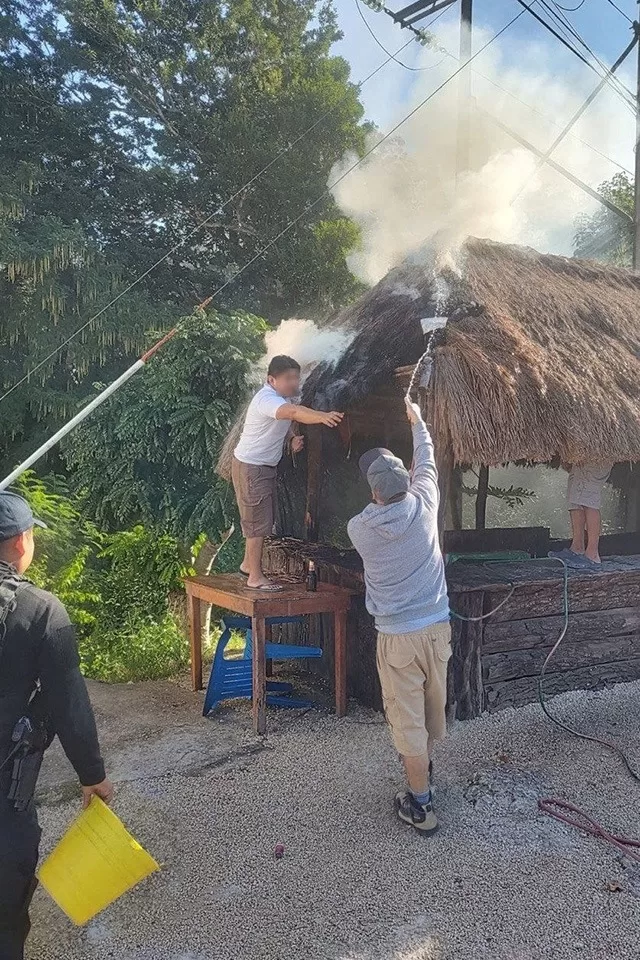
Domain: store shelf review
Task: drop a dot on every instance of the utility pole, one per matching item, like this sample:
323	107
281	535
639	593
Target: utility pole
636	209
463	151
463	164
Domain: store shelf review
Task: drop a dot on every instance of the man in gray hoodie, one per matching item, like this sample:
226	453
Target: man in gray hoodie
406	593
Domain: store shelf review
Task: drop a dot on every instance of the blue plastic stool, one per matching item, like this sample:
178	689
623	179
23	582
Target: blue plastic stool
232	679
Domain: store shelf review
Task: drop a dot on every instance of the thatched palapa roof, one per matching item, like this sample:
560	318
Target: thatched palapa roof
546	365
550	367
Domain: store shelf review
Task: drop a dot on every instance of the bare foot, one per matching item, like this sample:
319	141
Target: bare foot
268	586
258	583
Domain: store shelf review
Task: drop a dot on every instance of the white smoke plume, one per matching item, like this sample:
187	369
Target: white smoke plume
306	343
406	192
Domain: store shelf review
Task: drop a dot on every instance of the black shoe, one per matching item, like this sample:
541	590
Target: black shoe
417	815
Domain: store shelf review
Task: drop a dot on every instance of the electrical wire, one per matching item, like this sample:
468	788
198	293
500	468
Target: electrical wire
555	123
563	40
383	48
608	744
563	20
364	157
586	824
181	243
620	11
571	9
514	97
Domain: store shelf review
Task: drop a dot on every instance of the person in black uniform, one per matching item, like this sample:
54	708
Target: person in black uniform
38	652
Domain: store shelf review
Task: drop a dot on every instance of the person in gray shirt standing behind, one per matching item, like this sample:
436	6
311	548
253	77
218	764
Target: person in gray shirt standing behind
397	537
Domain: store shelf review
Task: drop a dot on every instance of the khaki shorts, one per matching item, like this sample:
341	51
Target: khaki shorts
586	484
255	489
413	675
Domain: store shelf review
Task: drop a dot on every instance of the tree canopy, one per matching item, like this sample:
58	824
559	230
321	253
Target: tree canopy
148	456
126	124
603	235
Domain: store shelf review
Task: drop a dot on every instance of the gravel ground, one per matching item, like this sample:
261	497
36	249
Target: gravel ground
499	882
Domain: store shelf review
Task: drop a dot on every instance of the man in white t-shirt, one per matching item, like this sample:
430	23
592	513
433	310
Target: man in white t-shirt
268	422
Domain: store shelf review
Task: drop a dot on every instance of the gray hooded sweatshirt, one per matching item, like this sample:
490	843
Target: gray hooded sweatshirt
398	542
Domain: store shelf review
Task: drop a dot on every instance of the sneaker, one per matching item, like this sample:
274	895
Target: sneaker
421	817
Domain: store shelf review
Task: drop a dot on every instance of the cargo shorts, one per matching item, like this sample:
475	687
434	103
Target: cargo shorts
413	675
255	489
585	485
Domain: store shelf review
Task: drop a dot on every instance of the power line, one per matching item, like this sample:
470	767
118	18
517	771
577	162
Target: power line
504	90
142	360
566	43
383	48
555	123
181	243
571	9
562	19
616	7
365	156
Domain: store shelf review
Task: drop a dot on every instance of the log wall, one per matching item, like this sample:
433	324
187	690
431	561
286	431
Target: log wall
496	661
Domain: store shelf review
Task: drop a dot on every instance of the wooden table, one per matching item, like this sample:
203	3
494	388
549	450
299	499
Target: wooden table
229	591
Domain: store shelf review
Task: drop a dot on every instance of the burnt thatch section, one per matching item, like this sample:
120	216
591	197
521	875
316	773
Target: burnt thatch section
547	367
540	358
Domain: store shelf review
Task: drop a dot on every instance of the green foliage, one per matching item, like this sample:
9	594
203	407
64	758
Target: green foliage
511	496
116	587
124	125
137	572
138	650
148	456
64	550
603	235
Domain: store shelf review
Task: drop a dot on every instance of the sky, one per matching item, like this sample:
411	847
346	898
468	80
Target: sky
527	79
605	30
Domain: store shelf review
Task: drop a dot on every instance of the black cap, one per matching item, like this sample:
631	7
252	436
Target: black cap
16	516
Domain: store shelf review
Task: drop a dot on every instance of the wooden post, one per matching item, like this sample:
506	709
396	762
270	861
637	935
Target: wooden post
195	638
268	637
481	497
467	655
340	658
258	632
444	465
314	478
455	498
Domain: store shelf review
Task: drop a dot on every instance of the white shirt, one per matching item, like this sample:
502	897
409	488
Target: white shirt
262	440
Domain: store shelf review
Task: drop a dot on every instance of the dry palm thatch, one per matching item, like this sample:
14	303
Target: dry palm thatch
550	369
545	365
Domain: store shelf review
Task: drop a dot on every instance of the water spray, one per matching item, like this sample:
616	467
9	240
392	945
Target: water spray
424	366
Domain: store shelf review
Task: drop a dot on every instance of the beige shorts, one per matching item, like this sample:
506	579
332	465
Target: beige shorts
586	484
255	489
413	675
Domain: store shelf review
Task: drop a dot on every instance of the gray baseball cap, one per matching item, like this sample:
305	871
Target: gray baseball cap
386	474
16	516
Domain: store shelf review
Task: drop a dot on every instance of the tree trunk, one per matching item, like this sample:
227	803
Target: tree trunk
202	565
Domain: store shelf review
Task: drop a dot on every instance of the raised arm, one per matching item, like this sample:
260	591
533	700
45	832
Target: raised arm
424	476
300	414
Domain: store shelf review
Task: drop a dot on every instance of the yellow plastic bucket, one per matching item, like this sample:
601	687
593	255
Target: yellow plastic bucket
96	861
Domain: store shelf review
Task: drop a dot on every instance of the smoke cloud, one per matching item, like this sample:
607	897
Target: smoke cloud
407	192
306	343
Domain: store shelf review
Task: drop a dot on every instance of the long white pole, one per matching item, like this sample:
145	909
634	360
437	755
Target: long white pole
68	427
90	407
